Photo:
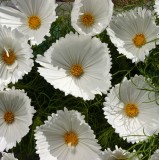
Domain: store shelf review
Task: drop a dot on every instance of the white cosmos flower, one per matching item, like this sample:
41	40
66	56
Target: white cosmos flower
119	154
134	33
132	110
32	17
91	17
156	7
16	115
77	65
155	155
8	156
15	55
66	136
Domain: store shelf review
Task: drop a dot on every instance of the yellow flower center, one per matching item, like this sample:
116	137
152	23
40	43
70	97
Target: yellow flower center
71	138
34	22
87	19
9	58
76	70
139	40
131	110
9	117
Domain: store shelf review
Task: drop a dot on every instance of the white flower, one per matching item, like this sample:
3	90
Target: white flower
3	84
155	155
16	115
120	154
65	136
91	17
32	17
77	65
134	33
156	7
15	55
132	110
8	156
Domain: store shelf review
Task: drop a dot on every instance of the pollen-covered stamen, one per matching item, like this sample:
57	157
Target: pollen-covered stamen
139	40
8	57
9	117
131	110
87	19
34	22
76	70
71	138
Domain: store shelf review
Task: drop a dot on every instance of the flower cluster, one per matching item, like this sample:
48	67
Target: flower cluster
78	64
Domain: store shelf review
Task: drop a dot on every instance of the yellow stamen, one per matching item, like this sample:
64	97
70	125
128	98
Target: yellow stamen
139	40
131	110
87	19
34	22
9	58
71	138
9	117
76	70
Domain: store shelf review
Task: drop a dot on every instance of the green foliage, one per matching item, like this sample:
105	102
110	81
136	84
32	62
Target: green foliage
122	5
